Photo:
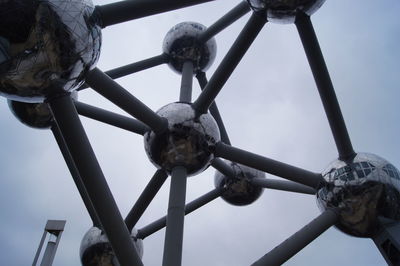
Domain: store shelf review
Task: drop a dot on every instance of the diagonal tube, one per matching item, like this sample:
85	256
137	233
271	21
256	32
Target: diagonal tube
75	175
223	167
268	165
325	87
173	243
202	79
299	240
145	198
283	185
115	93
229	63
236	13
67	119
123	11
186	82
134	67
190	207
111	118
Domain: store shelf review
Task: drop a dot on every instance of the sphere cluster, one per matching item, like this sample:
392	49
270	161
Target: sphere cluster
48	46
285	11
182	44
189	140
96	249
362	190
239	190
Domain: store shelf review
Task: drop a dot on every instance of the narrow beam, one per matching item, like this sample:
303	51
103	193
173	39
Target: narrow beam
75	175
236	13
115	93
127	10
186	82
190	207
268	165
229	63
111	118
173	243
325	86
145	198
202	79
283	185
299	240
67	119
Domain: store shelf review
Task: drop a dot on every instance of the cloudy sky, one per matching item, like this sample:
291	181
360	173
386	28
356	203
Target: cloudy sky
270	106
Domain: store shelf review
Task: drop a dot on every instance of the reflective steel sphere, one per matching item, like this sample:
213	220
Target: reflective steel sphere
285	11
181	43
96	250
239	190
189	140
361	190
35	115
49	44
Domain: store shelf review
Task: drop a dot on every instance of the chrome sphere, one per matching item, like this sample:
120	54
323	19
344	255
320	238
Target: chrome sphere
189	140
48	46
239	190
285	11
96	249
35	115
181	43
361	190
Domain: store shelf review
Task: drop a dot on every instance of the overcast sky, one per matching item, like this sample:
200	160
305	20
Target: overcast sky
270	106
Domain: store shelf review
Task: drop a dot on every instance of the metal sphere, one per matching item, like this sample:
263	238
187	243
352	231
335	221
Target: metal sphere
96	250
47	47
361	190
189	140
35	115
182	44
239	191
285	11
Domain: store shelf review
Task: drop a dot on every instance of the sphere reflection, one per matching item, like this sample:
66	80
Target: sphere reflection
182	44
189	140
96	249
48	46
285	11
361	190
239	190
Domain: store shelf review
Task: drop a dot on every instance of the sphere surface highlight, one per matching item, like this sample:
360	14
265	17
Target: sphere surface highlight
96	249
361	190
239	190
50	45
189	140
182	44
285	11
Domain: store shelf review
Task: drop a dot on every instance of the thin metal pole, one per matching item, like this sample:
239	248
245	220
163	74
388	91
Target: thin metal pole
175	218
186	83
111	118
48	255
39	248
325	87
223	167
202	79
75	138
299	240
283	185
236	13
229	63
111	90
268	165
134	67
190	207
75	175
145	198
123	11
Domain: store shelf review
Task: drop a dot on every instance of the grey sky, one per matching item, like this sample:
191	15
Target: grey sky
270	106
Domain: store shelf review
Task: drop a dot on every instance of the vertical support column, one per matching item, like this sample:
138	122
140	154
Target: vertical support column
175	218
186	83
